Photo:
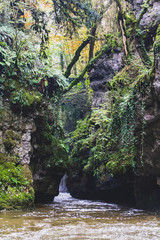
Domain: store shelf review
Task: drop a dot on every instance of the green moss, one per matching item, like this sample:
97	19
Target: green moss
10	139
12	134
76	57
9	143
16	200
16	190
107	136
26	174
51	149
111	43
157	43
2	157
25	98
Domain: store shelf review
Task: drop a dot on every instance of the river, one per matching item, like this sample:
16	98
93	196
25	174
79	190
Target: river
70	218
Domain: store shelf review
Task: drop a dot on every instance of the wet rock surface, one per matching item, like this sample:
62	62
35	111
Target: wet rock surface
114	189
147	188
21	128
150	20
103	71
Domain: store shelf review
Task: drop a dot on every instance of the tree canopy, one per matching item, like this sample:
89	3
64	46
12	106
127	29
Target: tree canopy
72	13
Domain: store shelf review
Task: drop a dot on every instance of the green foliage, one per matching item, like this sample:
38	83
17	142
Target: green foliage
120	161
132	29
50	148
76	57
157	43
23	71
28	82
16	200
107	137
73	14
111	43
108	47
24	98
16	191
10	140
144	55
41	26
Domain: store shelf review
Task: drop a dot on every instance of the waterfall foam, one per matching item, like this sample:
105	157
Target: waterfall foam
64	195
62	185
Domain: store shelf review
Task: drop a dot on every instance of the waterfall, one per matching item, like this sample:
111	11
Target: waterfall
64	195
62	185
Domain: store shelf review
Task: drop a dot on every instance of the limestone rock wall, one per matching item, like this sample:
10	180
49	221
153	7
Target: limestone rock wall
16	131
16	182
48	161
23	145
102	72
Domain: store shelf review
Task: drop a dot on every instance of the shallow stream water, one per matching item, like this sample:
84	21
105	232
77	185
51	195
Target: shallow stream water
69	218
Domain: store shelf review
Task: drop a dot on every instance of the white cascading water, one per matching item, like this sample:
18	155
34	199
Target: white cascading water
62	185
64	195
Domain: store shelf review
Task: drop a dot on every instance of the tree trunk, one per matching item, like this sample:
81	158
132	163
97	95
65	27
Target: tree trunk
76	57
87	67
92	41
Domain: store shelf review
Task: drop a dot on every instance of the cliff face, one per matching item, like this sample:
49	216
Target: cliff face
33	157
16	130
83	181
102	72
16	186
147	185
139	113
29	148
48	161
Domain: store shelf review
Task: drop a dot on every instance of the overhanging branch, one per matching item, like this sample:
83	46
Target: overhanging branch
87	67
76	56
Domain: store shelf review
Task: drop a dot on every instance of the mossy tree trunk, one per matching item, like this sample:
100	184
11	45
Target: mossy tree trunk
92	41
123	32
76	56
87	67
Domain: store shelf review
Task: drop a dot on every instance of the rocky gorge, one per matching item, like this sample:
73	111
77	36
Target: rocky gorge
112	151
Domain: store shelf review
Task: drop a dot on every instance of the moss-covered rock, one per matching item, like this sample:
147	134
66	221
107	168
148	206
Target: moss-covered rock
26	99
105	144
16	190
10	140
49	160
157	43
